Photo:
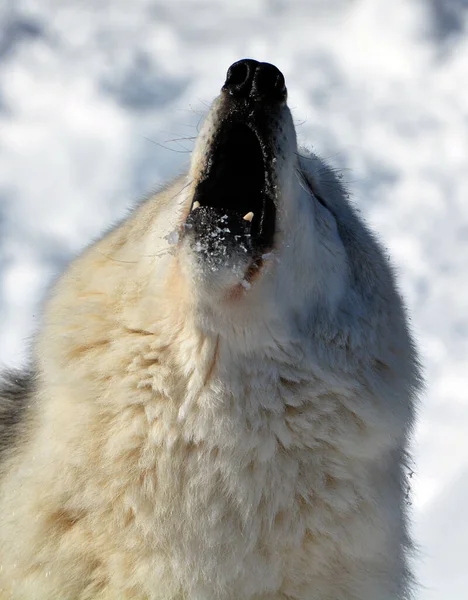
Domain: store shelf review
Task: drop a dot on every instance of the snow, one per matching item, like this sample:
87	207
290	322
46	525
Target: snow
173	238
100	101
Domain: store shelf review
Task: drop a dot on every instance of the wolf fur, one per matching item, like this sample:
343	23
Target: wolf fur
188	436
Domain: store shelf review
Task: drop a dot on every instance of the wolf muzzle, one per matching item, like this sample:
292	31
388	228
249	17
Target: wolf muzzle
234	205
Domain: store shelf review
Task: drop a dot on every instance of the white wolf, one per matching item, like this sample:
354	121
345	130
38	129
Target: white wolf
225	417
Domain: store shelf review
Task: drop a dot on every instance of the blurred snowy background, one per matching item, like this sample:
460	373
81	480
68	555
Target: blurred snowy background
95	96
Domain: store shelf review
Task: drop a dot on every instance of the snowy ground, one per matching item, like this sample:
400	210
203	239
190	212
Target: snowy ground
95	94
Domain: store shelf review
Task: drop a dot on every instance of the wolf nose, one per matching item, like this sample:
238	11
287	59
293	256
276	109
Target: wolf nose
249	78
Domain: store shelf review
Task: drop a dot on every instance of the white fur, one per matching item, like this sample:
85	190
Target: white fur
185	443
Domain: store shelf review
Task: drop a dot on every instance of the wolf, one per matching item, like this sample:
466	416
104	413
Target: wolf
222	390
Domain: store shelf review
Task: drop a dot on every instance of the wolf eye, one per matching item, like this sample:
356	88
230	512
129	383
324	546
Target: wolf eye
321	200
315	194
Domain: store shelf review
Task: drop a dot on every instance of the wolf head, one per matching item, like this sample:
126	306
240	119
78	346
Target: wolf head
259	246
255	233
265	232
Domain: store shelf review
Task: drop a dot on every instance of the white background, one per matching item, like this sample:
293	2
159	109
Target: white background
94	93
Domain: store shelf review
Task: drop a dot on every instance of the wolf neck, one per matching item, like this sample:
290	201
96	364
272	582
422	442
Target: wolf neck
204	361
227	399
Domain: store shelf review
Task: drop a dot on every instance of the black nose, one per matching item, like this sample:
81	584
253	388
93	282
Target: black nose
248	78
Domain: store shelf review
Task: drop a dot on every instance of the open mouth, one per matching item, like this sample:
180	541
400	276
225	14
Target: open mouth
231	204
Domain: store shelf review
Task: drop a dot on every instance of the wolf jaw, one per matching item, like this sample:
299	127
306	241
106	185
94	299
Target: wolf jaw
235	188
238	177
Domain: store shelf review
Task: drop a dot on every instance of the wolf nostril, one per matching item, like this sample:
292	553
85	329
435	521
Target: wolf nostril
248	78
238	74
240	77
269	82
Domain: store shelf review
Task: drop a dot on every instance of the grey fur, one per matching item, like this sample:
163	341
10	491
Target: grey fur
16	390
